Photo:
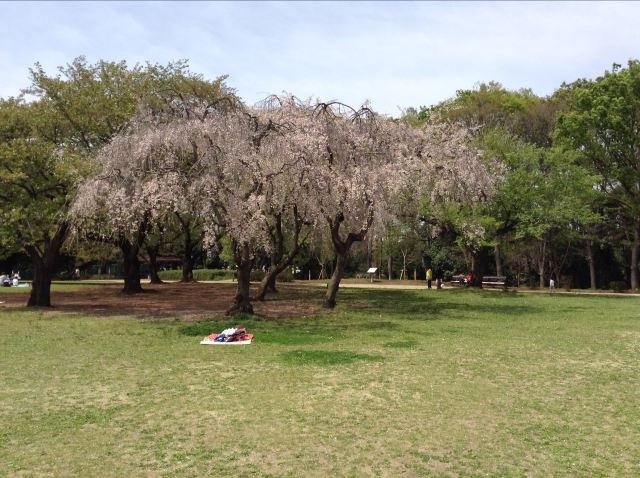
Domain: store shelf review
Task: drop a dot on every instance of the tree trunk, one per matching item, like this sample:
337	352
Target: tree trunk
279	262
187	269
41	286
131	267
341	248
154	278
44	266
131	263
592	265
634	259
268	282
541	262
498	260
334	283
271	283
479	266
187	255
242	300
187	258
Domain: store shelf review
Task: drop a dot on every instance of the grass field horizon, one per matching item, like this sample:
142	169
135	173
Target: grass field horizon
414	383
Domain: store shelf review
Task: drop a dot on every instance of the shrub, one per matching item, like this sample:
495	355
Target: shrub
256	275
618	285
285	276
222	274
199	274
566	282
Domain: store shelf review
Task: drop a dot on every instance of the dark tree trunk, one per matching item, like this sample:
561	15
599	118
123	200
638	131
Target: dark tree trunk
498	260
268	283
130	261
187	253
154	278
541	262
242	299
479	266
271	282
131	267
279	262
334	283
41	286
341	248
635	248
44	264
592	265
187	268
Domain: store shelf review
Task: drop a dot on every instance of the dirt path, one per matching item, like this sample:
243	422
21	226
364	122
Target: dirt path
171	300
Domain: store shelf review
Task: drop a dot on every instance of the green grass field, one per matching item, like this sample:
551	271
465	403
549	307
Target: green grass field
411	383
58	286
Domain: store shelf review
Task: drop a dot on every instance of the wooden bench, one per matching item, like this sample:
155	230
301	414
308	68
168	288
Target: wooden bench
487	281
458	280
494	281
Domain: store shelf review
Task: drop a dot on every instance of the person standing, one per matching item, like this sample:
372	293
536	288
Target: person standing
429	278
552	286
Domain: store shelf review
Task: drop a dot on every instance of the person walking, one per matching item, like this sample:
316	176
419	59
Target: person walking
429	278
552	286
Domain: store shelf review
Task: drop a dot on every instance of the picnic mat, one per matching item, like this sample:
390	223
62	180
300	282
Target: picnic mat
231	336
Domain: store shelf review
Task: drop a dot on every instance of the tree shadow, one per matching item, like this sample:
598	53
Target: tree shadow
326	357
417	305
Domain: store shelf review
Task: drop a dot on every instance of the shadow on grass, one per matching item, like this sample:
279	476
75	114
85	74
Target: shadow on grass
365	309
418	305
326	357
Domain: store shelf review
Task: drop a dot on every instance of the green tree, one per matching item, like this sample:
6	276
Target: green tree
602	124
37	176
546	194
46	146
490	105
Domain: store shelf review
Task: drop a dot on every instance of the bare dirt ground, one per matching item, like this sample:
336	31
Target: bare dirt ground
172	300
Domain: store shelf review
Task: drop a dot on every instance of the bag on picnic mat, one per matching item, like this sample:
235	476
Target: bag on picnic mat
229	336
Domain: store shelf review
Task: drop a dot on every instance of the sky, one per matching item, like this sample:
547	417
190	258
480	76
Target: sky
393	54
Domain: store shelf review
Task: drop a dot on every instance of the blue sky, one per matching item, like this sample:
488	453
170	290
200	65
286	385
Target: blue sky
393	54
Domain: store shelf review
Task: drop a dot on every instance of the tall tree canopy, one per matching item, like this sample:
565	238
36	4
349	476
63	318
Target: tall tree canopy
48	143
603	125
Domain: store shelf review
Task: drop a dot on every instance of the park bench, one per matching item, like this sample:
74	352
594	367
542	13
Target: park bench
487	281
457	280
494	281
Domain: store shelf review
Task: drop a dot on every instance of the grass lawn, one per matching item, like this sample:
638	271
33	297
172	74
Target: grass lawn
57	286
413	383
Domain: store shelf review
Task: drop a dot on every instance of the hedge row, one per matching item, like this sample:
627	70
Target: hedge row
220	274
199	274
